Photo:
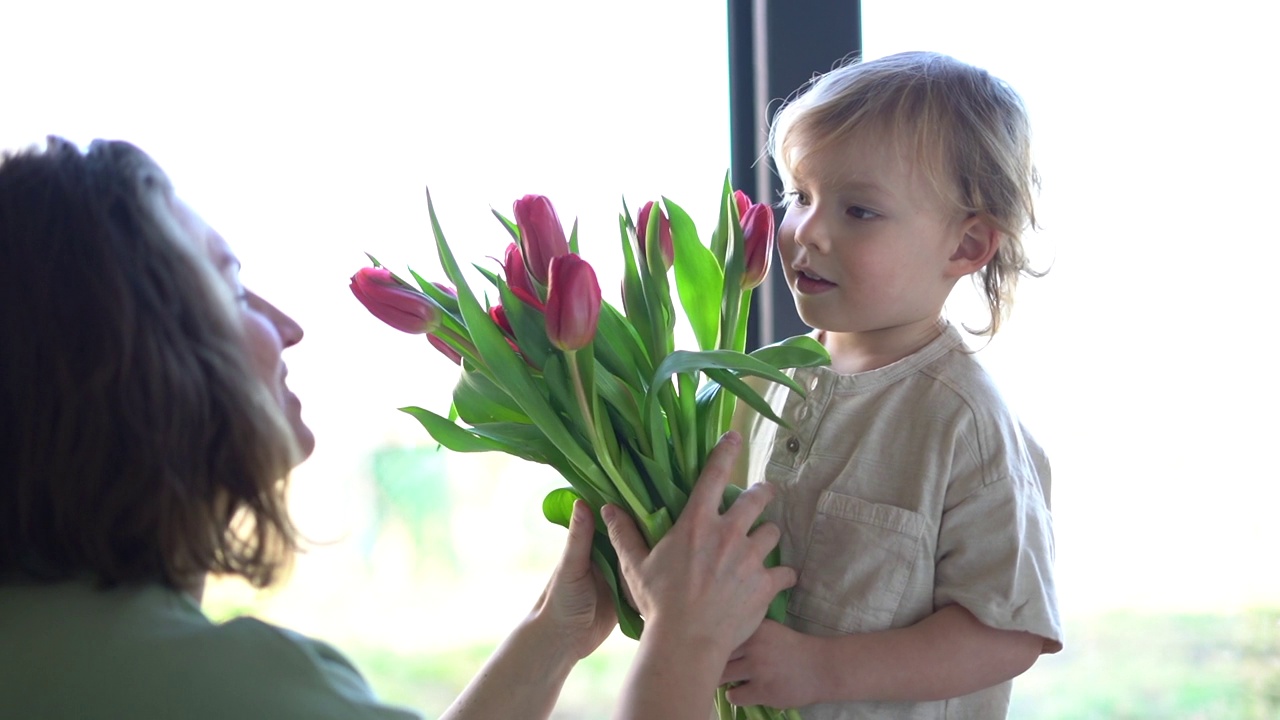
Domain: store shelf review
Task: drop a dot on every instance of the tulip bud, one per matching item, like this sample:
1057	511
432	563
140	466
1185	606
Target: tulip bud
444	349
518	277
573	303
664	234
757	242
499	317
541	235
398	305
743	202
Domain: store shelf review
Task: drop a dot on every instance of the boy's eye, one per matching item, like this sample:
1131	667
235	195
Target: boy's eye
794	197
860	213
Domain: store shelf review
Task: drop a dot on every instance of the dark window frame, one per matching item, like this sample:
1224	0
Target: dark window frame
774	48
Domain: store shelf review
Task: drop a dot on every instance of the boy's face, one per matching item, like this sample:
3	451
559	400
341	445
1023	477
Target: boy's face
867	241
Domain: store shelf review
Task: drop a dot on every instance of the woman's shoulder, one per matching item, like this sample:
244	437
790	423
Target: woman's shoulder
150	651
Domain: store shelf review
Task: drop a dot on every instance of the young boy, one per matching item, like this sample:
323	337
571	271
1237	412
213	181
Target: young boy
911	500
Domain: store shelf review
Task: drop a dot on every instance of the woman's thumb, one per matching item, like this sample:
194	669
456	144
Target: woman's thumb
577	549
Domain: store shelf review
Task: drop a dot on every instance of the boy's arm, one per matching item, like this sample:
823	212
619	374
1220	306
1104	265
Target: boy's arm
946	655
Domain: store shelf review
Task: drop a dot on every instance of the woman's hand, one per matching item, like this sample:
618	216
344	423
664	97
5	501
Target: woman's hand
572	617
576	603
703	591
705	581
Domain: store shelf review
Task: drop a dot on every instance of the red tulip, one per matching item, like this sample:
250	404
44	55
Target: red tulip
444	349
664	234
573	303
541	235
743	202
499	317
518	277
757	241
398	305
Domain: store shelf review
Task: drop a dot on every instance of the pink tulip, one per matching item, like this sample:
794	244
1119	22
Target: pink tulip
541	235
518	277
757	241
394	303
743	202
664	233
573	303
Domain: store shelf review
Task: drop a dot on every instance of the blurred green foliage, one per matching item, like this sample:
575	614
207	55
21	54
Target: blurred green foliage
1117	666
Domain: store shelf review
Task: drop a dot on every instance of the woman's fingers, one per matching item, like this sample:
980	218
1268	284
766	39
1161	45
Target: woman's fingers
750	504
709	488
625	537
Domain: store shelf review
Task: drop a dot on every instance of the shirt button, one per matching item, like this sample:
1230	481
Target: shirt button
813	383
793	445
803	412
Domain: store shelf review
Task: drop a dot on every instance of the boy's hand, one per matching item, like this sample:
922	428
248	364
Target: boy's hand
770	668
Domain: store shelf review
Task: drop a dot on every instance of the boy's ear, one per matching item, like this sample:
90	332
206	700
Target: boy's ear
979	241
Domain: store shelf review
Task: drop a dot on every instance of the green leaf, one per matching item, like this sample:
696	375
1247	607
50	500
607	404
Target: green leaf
606	558
620	349
557	506
666	484
555	375
728	211
441	298
451	435
479	400
529	325
633	300
508	224
735	385
699	279
573	237
794	352
621	397
657	293
684	361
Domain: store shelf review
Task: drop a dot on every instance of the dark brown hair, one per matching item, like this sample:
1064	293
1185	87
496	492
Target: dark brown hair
137	443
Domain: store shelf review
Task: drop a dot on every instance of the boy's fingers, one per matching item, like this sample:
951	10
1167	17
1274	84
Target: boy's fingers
709	488
625	537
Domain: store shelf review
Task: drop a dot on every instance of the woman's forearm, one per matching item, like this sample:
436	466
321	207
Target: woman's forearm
522	679
670	679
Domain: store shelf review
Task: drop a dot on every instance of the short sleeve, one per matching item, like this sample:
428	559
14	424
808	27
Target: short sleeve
298	677
995	558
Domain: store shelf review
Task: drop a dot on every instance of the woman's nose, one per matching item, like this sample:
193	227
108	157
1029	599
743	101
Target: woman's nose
289	330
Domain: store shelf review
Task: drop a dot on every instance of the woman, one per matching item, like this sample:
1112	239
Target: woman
148	427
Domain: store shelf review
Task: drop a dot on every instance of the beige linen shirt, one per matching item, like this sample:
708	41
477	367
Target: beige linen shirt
902	490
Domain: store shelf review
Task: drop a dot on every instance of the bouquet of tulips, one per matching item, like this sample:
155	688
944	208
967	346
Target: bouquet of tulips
553	374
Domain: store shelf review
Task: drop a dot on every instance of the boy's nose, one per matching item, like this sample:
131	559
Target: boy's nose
811	233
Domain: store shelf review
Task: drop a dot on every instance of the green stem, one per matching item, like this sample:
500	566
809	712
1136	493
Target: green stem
630	494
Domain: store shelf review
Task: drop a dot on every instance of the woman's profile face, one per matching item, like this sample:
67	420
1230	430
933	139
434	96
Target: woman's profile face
267	330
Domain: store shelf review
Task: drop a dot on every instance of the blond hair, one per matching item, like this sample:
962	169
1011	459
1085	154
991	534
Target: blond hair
968	129
143	447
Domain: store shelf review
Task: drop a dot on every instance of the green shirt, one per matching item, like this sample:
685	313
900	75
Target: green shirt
68	650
